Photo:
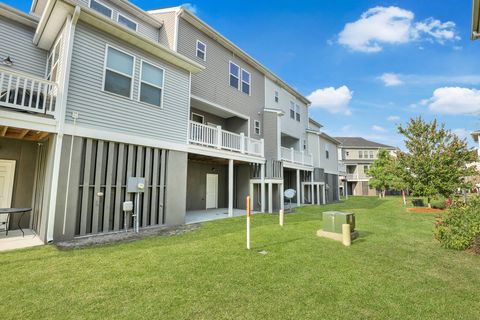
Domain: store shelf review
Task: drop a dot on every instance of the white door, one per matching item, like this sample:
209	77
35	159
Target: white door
212	191
7	173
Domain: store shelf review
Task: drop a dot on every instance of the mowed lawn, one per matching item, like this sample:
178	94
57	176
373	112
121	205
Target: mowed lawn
395	270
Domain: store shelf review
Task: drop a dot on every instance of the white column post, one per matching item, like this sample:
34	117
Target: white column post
282	204
270	198
311	180
262	142
230	187
262	187
242	142
299	196
219	137
318	195
324	200
251	196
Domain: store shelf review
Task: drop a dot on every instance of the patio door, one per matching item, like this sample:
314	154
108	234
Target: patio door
7	174
212	191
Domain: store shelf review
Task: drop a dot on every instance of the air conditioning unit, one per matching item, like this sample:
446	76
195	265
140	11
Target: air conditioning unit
333	221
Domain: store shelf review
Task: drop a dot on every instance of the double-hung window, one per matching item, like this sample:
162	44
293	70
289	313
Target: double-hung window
360	154
118	72
292	109
246	82
124	21
275	96
101	8
201	50
370	153
151	84
365	154
327	152
234	75
52	62
297	112
257	127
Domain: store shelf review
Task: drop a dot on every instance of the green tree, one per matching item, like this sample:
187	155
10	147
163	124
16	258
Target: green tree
381	172
436	159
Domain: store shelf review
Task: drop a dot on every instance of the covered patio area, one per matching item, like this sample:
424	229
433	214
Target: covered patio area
195	216
16	240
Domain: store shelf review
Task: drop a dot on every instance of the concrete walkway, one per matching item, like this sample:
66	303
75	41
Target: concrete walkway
15	240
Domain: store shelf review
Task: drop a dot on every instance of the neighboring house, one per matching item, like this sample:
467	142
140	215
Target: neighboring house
357	154
93	92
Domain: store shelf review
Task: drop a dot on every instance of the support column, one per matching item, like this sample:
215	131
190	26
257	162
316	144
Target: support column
318	195
270	198
282	199
299	197
251	196
262	187
324	200
230	187
311	180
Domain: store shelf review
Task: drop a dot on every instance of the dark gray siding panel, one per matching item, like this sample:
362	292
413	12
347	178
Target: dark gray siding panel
212	84
16	41
107	111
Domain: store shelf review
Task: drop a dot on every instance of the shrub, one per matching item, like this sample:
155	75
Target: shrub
460	226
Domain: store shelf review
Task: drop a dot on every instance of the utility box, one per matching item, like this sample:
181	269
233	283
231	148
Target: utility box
333	221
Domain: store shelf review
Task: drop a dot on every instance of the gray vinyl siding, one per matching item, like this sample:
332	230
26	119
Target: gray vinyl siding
110	112
212	84
16	42
167	32
144	28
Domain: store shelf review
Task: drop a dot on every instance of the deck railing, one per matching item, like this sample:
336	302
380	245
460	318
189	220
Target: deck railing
216	137
26	92
298	157
357	176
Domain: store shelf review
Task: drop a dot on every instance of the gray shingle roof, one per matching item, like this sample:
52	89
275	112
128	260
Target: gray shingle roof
358	142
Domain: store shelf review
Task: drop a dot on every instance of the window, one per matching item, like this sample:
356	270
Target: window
257	127
292	109
327	152
304	144
245	82
197	118
118	72
101	8
275	96
365	169
360	154
151	84
124	21
370	154
297	112
201	50
365	154
234	75
52	62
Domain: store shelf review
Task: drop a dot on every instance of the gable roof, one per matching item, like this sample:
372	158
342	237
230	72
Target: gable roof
359	142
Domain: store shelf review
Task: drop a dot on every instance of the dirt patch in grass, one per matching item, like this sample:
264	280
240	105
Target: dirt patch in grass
425	209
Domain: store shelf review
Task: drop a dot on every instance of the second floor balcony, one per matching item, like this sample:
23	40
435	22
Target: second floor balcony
298	157
27	93
216	137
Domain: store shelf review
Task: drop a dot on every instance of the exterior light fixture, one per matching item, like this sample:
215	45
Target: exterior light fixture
8	61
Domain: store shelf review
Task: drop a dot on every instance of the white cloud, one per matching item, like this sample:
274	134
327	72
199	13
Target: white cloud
390	79
454	100
190	7
331	99
378	128
393	25
393	118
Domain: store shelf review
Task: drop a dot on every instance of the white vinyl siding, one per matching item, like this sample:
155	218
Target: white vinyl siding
100	7
151	84
129	23
118	75
201	50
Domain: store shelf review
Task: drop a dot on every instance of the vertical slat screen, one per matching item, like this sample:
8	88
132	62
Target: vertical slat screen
102	188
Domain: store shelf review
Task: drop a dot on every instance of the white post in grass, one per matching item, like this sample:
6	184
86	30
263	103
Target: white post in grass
248	222
230	188
281	218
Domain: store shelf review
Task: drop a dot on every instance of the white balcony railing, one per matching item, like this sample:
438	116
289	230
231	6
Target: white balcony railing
216	137
299	157
26	92
356	176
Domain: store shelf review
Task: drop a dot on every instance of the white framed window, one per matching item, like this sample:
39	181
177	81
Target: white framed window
365	154
360	154
297	112
292	109
102	8
370	153
53	61
129	23
276	96
234	71
201	51
151	84
195	117
257	127
246	79
304	144
327	152
118	72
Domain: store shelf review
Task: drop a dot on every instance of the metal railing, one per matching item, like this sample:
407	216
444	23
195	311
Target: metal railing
294	156
216	137
26	92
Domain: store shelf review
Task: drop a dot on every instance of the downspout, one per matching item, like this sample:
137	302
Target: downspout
72	22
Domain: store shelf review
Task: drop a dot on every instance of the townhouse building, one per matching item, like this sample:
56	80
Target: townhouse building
93	92
356	155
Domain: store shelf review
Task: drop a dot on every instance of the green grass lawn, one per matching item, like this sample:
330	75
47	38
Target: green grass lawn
395	270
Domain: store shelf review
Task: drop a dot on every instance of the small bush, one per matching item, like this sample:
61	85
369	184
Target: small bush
460	226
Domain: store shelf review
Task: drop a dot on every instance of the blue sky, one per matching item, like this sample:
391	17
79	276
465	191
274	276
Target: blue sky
366	65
